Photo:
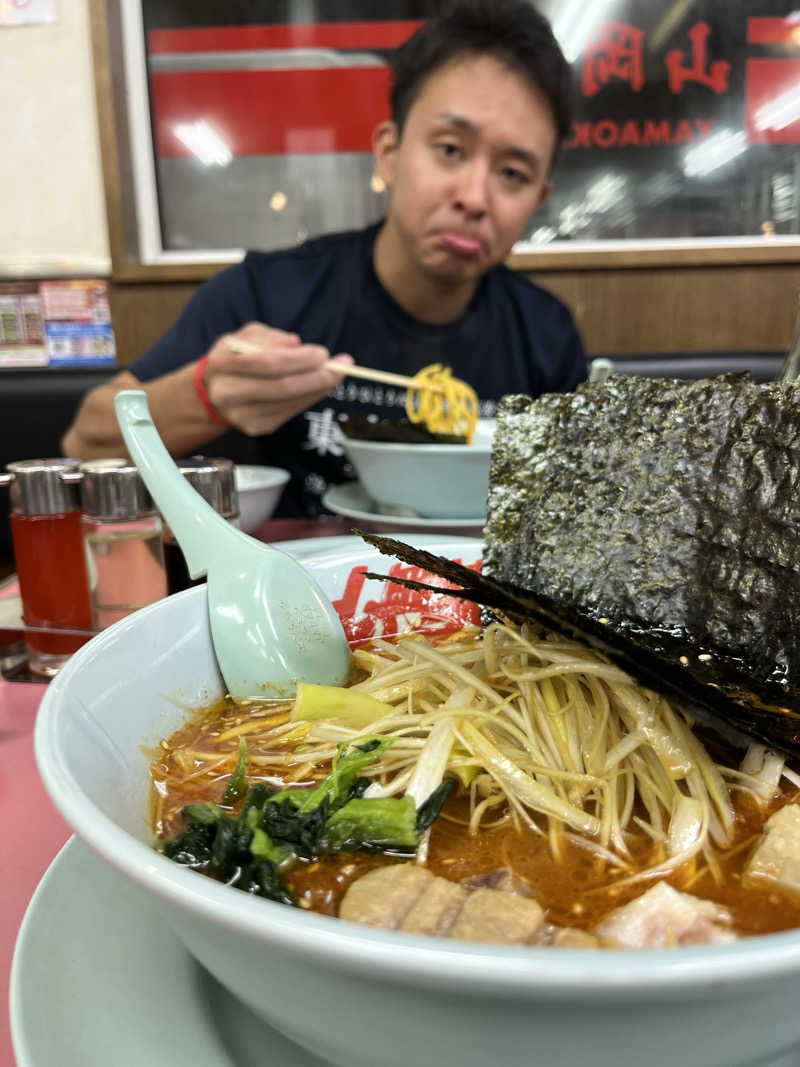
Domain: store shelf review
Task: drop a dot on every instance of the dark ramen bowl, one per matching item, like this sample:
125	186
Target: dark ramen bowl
358	996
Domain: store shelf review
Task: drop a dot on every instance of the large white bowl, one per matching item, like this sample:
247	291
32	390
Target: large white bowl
433	481
362	997
259	489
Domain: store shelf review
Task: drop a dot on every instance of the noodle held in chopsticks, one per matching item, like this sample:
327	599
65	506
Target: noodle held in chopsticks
443	403
433	396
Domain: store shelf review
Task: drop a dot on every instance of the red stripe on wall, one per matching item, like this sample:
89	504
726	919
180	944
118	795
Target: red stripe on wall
774	31
266	112
347	35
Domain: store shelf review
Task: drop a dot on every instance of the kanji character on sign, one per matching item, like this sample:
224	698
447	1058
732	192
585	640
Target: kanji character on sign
616	53
715	76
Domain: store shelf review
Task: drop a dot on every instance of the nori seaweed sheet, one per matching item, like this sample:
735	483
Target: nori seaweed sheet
662	669
658	521
670	509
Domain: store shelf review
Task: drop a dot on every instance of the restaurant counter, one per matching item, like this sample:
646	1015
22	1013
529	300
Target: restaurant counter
33	831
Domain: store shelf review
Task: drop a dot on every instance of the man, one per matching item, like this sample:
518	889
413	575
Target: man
480	104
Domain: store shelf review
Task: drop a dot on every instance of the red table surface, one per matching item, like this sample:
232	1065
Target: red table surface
33	831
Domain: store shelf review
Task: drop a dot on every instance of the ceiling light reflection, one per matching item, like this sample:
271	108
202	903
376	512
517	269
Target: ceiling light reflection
574	25
779	112
714	152
544	235
204	142
607	191
572	218
674	15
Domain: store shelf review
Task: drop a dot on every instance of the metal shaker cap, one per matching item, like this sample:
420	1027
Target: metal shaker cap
214	480
113	489
44	486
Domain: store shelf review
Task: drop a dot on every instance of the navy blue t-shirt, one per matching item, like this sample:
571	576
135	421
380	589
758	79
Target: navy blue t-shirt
513	338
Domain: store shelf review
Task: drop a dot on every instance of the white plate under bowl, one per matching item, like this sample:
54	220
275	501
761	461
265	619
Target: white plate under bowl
99	979
351	500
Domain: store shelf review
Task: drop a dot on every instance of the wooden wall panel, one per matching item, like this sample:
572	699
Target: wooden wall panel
703	309
142	312
687	309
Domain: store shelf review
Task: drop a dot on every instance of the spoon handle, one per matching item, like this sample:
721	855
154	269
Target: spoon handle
200	531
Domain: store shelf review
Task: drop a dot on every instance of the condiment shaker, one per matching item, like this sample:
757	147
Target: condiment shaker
214	480
49	557
122	532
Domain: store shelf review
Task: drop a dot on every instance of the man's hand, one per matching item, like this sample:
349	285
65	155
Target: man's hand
257	393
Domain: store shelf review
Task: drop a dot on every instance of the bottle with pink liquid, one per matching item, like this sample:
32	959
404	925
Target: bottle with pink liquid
123	538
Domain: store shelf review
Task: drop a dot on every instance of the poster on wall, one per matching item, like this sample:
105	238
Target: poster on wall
21	326
56	324
19	12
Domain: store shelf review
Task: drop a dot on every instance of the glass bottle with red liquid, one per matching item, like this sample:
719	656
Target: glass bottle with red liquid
46	532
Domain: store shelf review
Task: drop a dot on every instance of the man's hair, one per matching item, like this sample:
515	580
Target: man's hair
511	31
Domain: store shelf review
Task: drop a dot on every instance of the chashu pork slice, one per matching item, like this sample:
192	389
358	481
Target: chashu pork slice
496	916
409	898
663	917
775	863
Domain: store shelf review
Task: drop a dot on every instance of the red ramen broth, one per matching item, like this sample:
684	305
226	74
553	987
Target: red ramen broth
576	889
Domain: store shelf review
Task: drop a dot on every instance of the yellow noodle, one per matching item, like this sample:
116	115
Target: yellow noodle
450	407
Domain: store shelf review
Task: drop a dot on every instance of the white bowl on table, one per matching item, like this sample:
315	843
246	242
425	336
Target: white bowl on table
258	489
432	481
359	996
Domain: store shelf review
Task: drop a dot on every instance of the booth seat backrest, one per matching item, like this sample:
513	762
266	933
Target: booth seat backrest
764	366
36	409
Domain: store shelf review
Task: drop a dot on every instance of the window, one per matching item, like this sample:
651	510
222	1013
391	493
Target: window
241	124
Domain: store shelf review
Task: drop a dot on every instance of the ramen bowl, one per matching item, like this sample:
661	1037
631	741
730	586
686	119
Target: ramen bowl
360	996
258	489
432	481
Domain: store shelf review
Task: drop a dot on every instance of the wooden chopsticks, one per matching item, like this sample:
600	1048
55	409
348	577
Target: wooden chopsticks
368	373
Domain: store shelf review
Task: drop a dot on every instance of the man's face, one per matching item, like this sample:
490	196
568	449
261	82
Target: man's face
470	169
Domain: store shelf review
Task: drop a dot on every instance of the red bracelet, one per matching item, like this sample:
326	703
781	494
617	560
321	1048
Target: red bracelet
202	393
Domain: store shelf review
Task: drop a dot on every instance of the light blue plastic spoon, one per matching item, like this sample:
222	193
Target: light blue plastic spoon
271	624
